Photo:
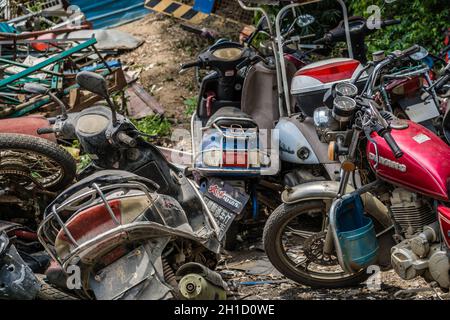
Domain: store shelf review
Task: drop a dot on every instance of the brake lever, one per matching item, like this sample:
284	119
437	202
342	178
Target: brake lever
367	133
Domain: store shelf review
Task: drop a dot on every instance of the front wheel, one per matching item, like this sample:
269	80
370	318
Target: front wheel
294	236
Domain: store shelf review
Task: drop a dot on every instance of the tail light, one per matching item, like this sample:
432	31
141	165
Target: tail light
331	72
230	149
82	220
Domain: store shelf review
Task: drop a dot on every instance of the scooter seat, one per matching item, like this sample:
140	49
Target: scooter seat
231	116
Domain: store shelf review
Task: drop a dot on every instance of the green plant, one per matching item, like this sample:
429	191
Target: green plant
191	105
83	162
422	23
154	125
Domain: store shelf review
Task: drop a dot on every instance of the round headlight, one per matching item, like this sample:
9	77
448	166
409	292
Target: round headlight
346	89
228	54
323	119
92	124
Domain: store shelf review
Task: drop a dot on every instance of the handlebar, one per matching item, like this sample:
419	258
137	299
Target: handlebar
190	65
337	34
370	84
390	22
49	130
407	52
126	139
387	136
442	81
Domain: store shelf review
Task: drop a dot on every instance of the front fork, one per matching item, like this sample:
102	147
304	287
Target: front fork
347	168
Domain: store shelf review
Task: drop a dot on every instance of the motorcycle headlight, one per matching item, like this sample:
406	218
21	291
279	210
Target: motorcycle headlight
92	124
323	119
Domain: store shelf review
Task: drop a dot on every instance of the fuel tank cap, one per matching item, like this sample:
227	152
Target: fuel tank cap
399	124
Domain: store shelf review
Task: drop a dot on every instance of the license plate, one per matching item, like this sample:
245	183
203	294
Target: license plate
226	195
422	111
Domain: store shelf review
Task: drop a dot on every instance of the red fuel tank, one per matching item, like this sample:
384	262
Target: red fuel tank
425	166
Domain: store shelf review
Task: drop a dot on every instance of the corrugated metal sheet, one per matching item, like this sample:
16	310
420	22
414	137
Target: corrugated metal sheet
110	13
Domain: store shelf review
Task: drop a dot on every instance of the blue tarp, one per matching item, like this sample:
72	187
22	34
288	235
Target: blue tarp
110	13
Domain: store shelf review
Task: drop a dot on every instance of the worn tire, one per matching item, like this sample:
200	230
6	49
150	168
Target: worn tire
47	292
274	225
46	148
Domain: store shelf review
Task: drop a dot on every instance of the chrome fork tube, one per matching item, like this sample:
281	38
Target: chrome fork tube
345	176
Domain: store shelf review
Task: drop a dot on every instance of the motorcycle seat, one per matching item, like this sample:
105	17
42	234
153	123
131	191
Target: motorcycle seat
231	116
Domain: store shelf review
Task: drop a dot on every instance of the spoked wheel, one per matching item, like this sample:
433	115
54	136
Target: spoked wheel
294	238
32	162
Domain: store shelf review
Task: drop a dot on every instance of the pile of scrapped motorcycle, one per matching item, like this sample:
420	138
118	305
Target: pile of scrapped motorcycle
346	163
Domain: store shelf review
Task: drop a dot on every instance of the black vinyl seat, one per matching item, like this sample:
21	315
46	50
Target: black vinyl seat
231	116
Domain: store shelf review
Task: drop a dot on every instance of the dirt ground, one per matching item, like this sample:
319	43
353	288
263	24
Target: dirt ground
252	277
158	60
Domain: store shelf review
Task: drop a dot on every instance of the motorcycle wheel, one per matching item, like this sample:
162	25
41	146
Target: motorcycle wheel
38	161
47	292
297	253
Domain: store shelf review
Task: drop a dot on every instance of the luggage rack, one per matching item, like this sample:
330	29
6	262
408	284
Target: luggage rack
95	196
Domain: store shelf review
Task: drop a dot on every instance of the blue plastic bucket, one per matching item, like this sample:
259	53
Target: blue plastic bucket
356	234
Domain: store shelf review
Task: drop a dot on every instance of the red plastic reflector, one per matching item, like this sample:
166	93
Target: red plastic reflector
235	159
331	72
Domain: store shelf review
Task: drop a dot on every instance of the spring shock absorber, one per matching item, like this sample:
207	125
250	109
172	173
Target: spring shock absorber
169	275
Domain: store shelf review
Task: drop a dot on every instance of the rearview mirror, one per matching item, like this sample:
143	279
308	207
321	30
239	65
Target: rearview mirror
93	82
97	84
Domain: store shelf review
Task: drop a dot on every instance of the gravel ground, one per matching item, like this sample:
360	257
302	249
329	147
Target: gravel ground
240	267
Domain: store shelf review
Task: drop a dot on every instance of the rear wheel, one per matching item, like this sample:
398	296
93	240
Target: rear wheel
294	236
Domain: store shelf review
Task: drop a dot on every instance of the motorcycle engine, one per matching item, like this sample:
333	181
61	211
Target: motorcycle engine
420	254
411	212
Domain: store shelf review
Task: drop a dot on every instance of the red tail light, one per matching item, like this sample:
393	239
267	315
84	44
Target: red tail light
237	159
331	72
92	222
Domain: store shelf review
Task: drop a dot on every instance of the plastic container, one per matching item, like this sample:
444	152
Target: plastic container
355	234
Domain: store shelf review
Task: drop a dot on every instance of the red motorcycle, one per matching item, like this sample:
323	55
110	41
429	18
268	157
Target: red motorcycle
394	212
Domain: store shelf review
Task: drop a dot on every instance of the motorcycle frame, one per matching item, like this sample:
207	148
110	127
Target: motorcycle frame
277	43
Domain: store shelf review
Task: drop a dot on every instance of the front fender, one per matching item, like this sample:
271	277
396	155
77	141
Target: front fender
328	190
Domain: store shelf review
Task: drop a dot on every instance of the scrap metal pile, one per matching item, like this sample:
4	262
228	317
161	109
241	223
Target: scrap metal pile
53	56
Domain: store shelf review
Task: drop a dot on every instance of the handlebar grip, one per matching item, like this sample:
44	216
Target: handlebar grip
190	65
45	130
442	81
398	153
126	139
391	22
407	52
